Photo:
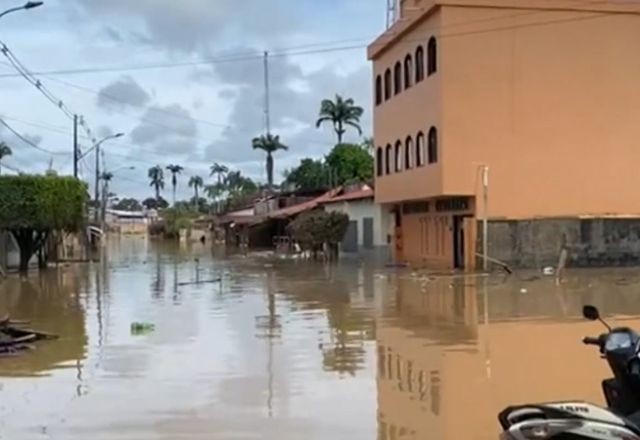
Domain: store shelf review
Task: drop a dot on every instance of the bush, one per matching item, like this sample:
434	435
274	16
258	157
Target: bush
314	229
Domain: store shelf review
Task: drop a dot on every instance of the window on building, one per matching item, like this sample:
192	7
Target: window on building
398	156
379	161
420	149
409	153
387	85
432	57
387	159
433	145
378	90
397	78
408	72
419	64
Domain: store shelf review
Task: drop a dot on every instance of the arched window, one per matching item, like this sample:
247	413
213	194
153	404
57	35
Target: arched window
419	64
379	161
408	72
387	159
420	149
408	154
378	90
432	57
387	84
397	78
398	156
433	145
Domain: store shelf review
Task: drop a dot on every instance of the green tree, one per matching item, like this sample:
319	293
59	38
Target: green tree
31	207
129	204
340	113
240	189
5	151
350	163
220	171
196	183
269	144
174	170
156	176
309	175
157	204
314	229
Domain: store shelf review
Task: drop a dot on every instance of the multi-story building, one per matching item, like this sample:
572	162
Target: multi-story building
543	93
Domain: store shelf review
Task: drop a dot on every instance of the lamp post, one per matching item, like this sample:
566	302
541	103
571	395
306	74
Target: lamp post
28	5
97	148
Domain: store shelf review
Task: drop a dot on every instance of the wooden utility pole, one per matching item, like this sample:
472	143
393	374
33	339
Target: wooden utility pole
76	152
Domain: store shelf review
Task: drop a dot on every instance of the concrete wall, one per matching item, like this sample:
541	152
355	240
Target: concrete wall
358	210
590	242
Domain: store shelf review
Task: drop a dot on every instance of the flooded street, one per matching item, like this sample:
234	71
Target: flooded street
290	350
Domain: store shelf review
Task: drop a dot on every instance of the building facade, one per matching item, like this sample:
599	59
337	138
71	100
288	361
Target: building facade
369	225
545	94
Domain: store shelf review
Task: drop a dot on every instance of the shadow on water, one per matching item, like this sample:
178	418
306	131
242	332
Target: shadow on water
290	349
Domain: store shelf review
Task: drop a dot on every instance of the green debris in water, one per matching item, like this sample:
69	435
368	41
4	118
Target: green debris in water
142	328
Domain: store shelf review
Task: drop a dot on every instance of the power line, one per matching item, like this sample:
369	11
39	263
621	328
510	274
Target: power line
312	48
29	142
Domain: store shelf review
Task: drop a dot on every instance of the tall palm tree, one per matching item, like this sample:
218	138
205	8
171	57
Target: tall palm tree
269	144
156	176
175	170
5	151
196	183
340	112
220	171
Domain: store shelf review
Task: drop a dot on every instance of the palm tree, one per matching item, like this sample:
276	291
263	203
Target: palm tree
369	144
5	151
340	112
220	171
269	144
196	183
156	175
106	178
175	170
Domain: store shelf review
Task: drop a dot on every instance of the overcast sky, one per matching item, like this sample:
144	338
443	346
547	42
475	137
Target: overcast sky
206	103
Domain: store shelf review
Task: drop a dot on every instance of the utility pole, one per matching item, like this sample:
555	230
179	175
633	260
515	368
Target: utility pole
97	188
76	152
485	218
267	103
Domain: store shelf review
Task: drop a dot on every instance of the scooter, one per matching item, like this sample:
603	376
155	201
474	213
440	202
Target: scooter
584	421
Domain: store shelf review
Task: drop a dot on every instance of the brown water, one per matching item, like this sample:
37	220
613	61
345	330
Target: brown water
291	350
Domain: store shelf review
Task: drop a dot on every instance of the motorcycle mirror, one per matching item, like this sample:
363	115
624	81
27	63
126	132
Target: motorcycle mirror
591	313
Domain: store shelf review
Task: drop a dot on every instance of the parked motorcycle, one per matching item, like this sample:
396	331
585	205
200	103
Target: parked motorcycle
584	421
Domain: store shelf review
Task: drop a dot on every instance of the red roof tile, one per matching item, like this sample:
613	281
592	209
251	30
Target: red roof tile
366	193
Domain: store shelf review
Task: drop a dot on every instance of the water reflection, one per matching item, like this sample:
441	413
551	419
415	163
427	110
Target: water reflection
289	350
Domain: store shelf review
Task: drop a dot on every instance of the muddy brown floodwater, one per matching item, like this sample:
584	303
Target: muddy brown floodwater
291	350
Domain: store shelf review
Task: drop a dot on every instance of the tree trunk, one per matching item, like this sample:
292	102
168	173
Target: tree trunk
270	170
340	132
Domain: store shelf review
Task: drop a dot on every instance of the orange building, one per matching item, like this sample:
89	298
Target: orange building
546	94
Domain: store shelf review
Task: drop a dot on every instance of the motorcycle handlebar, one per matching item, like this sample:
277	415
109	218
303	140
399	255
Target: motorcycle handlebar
591	341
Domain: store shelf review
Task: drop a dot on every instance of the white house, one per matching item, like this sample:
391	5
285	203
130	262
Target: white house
369	227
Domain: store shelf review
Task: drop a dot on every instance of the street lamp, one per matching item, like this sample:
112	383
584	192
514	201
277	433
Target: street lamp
28	5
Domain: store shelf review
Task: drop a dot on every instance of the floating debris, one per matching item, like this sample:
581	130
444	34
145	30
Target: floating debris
142	328
14	339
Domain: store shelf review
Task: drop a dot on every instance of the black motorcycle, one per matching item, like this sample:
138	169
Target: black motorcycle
581	420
